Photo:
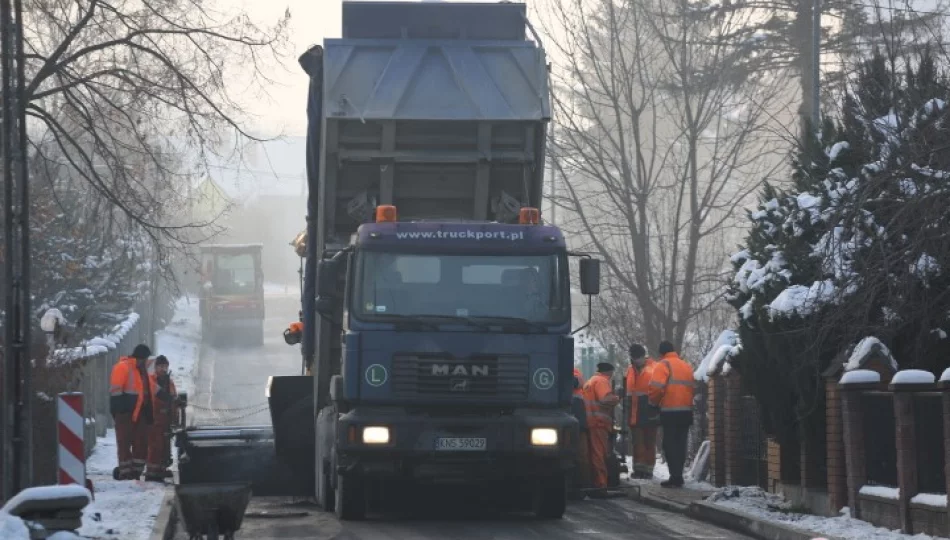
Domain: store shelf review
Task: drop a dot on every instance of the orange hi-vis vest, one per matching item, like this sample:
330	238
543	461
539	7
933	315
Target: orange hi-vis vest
671	387
638	384
597	399
126	391
579	391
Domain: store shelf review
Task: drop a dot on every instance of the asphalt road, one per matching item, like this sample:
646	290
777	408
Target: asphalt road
231	380
235	378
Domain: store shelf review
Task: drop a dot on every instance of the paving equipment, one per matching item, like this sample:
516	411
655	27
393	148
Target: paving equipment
212	511
231	298
437	337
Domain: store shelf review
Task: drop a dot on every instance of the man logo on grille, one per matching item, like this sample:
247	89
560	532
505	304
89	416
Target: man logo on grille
459	385
460	370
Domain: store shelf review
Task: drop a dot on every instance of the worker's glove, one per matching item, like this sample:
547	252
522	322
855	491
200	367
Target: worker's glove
291	337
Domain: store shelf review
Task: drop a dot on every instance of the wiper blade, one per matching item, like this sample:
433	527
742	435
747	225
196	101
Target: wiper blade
430	321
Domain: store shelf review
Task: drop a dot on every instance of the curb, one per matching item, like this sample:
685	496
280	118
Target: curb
748	524
167	518
728	518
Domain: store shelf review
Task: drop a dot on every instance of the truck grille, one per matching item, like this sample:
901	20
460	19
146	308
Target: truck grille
492	377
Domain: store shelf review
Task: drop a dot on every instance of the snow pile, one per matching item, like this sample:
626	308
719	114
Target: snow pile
884	492
864	349
98	345
936	500
13	528
726	347
661	472
913	376
125	509
802	300
860	376
774	508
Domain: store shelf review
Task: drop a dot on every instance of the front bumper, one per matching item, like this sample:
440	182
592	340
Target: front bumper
411	450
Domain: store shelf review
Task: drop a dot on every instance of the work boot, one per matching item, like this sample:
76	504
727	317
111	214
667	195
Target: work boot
672	483
156	477
168	474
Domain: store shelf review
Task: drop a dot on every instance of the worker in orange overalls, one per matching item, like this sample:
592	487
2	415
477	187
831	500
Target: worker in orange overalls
159	436
671	388
130	401
643	418
600	400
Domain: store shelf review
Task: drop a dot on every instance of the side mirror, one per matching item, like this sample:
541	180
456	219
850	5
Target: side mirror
590	276
327	274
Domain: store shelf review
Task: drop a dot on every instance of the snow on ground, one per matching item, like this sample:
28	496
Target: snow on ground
661	472
13	528
773	507
127	509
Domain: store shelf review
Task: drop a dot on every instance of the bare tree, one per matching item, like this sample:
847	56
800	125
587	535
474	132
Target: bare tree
119	90
664	127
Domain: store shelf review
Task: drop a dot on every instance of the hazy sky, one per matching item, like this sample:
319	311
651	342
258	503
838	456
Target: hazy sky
311	21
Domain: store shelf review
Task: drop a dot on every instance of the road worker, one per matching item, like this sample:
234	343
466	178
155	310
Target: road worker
578	383
600	401
643	417
671	388
130	401
159	434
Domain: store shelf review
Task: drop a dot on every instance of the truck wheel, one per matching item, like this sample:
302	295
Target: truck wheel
550	498
350	498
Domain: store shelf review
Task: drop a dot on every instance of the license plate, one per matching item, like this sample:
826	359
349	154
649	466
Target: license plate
460	443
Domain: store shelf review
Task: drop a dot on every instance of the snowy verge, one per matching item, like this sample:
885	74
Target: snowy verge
773	507
661	472
128	509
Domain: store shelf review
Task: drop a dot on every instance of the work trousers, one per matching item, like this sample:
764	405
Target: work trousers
158	442
644	449
131	439
583	460
675	436
599	450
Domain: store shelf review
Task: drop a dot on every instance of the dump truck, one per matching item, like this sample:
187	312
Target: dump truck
436	304
231	293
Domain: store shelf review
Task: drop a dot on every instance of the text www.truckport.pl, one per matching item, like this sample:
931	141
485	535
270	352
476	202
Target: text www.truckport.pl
461	235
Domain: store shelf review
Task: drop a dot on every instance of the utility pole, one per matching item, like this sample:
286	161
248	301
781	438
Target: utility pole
16	435
811	68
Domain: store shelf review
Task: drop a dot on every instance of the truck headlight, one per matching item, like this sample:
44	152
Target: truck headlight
544	437
375	435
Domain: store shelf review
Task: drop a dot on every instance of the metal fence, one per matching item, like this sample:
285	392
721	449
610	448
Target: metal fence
931	474
880	452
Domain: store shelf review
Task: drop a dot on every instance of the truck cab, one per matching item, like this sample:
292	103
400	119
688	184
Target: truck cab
457	359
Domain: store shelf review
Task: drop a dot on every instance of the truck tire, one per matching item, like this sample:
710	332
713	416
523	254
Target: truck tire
550	497
350	498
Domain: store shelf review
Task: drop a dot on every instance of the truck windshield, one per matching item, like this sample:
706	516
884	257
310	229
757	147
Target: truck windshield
529	288
234	274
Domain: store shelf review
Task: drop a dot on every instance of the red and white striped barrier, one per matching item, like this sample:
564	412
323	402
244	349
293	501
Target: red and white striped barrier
71	450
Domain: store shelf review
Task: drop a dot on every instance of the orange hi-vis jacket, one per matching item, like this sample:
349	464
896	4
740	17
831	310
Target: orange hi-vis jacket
638	384
671	387
162	399
600	400
579	391
126	393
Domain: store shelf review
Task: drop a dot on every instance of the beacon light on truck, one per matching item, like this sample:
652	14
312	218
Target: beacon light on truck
529	216
385	213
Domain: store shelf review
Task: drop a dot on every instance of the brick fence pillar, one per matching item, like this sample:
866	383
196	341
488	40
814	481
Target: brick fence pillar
852	413
717	465
774	454
733	432
834	449
906	440
945	396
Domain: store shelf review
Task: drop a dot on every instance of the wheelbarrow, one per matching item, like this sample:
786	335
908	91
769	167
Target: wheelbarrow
212	511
